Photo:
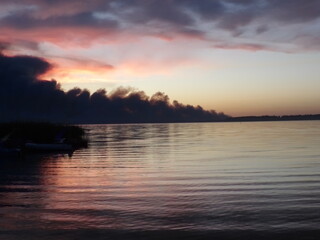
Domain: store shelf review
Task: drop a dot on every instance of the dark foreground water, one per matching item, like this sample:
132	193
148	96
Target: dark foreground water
170	181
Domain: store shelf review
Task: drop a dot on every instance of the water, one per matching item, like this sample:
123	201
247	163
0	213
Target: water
156	181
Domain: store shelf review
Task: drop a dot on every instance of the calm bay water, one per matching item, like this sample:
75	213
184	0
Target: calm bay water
155	181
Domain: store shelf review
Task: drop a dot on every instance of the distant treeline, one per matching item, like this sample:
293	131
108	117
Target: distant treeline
26	97
274	118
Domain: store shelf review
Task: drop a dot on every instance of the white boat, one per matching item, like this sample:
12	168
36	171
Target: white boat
48	147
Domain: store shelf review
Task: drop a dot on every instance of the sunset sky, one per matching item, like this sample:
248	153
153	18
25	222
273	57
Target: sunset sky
241	57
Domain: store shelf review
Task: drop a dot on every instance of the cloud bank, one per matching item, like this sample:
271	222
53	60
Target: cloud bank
25	97
160	35
215	21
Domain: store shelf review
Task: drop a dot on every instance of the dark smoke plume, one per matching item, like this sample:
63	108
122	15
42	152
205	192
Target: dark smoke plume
24	97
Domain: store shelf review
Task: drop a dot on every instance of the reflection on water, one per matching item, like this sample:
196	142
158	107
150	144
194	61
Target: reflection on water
155	181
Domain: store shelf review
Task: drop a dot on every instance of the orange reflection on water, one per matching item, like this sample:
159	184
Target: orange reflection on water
89	191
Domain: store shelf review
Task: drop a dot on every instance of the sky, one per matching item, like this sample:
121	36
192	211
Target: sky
240	57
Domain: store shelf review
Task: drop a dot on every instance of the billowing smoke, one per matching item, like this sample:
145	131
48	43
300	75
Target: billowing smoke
24	97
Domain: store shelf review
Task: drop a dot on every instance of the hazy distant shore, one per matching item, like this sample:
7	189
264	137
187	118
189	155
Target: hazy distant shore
274	118
264	118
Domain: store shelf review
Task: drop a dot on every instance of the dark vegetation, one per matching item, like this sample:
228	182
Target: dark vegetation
26	97
17	134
